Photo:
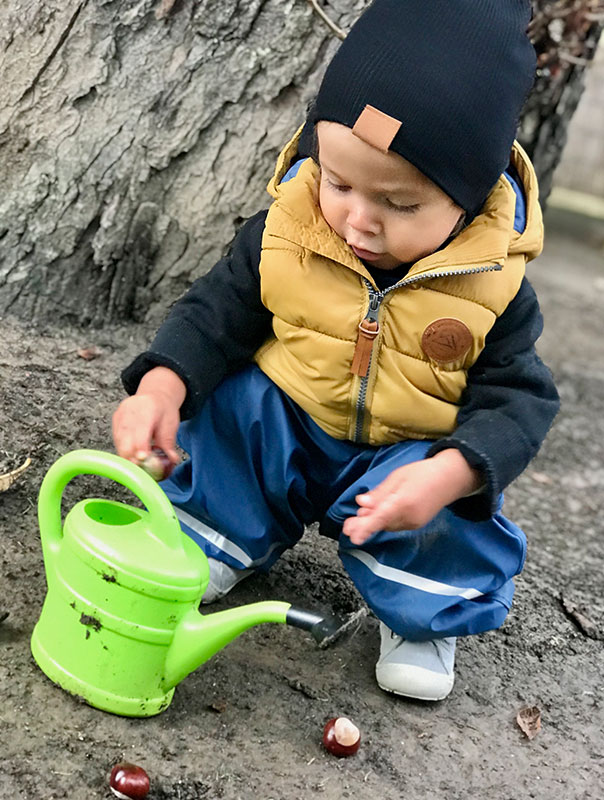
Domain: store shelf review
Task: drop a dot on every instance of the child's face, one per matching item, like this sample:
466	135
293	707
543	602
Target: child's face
380	204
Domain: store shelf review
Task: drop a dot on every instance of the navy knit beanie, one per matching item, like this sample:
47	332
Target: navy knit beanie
441	82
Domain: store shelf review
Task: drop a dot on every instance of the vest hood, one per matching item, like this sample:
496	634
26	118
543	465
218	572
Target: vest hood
409	381
491	236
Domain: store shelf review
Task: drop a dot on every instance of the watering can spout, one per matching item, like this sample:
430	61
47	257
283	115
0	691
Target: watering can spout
198	637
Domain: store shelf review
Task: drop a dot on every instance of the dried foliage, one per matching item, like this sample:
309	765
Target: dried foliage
565	33
529	721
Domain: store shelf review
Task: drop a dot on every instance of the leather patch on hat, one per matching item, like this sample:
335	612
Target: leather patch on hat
376	128
447	339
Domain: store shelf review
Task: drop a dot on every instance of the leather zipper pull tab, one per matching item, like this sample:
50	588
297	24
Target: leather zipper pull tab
368	330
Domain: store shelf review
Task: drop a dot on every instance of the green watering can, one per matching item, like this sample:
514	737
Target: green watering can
120	625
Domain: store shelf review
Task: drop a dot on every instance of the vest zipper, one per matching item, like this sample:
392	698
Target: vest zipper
369	329
361	363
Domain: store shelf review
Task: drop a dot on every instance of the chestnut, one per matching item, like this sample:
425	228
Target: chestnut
157	464
341	737
129	781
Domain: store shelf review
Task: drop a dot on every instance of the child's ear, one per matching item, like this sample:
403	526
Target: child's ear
459	225
314	152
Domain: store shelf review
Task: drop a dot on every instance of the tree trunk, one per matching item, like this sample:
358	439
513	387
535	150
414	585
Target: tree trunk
136	135
565	34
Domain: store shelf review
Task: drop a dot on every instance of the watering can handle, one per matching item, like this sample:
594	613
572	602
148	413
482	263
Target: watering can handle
165	525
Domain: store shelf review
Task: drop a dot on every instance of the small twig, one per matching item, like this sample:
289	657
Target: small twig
581	620
570	59
349	627
341	34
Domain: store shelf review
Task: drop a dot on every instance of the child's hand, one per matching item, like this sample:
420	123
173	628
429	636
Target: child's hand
151	416
412	495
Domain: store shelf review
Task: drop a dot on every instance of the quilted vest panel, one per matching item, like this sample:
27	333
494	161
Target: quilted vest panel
318	292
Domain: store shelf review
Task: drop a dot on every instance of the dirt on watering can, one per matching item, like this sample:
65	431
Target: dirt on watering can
248	724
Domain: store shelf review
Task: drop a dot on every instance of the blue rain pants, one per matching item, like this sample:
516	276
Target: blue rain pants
260	469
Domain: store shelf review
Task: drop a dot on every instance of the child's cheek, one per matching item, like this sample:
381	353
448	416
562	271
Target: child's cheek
329	210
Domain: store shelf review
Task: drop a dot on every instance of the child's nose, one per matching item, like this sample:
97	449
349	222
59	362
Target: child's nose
362	219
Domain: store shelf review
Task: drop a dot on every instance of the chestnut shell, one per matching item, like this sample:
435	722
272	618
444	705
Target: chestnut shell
157	464
129	781
331	743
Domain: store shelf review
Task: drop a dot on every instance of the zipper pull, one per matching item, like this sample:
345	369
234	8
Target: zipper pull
368	330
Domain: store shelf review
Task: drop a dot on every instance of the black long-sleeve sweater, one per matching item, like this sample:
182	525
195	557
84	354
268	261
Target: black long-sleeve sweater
506	409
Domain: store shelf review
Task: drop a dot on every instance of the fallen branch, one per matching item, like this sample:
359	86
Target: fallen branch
341	34
583	623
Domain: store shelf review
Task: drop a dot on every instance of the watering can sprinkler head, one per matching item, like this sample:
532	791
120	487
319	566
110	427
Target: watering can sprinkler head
324	630
120	625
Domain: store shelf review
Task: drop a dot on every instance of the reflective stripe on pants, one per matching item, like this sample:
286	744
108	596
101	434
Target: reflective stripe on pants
260	470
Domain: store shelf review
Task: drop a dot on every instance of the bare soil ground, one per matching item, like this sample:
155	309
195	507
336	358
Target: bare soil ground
248	723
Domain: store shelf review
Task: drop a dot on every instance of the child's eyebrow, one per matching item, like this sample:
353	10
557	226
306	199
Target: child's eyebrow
398	191
332	172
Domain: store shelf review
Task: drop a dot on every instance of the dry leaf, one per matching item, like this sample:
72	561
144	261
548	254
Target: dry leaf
529	721
540	477
88	353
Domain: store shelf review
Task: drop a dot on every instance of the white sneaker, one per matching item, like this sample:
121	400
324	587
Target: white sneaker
422	670
223	578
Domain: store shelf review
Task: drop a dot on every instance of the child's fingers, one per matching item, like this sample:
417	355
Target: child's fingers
385	515
365	523
168	446
358	530
124	441
165	436
390	484
139	442
139	449
132	432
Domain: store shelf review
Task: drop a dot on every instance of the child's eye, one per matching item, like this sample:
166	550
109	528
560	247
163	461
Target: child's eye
338	187
402	209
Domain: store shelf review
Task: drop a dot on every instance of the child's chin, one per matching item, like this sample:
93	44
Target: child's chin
387	262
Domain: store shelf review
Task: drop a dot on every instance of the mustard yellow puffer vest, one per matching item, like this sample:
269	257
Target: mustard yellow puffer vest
410	368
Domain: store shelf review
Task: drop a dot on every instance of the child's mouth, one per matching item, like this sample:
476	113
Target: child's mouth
365	255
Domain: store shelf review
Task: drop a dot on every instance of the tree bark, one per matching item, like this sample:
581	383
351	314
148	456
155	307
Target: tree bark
565	34
136	135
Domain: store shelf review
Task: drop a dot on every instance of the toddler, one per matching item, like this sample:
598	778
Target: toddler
365	354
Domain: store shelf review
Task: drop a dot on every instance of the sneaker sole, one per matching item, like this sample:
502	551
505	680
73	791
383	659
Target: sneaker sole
415	696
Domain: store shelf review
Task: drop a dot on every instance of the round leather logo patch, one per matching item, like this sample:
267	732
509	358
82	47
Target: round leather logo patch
446	339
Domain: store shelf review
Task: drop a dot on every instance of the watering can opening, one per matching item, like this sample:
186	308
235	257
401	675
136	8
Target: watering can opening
111	513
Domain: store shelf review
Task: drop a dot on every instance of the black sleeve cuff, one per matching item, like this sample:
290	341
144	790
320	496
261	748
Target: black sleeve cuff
496	447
